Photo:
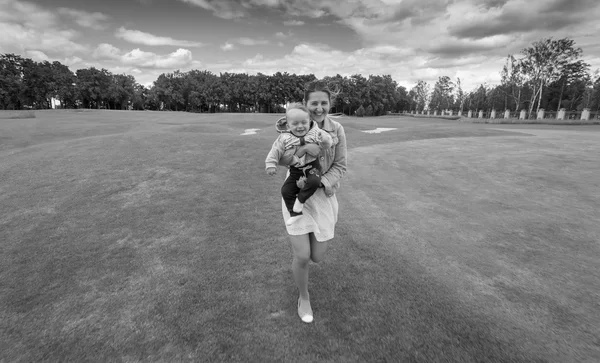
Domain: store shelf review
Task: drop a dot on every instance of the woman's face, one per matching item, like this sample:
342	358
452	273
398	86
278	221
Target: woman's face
318	105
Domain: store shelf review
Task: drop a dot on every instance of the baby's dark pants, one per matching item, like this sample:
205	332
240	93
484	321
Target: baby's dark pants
290	189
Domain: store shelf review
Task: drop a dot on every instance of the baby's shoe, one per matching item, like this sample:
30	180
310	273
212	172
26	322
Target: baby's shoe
298	206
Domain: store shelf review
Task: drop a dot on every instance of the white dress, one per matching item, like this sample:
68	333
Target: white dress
319	216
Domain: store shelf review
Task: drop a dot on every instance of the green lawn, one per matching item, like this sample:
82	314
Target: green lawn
157	236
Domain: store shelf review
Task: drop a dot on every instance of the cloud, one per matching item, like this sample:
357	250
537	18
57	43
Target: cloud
224	9
181	58
521	16
36	55
406	66
16	37
71	61
250	41
293	23
227	46
230	44
455	47
28	27
106	51
139	37
178	59
85	19
26	14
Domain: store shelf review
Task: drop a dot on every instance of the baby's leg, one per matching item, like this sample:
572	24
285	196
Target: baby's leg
289	190
313	180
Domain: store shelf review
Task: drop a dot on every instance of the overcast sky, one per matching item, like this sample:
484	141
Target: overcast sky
408	39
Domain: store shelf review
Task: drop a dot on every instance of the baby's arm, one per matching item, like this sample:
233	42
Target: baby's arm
289	157
275	154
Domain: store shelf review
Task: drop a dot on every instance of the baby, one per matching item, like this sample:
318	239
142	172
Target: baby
297	129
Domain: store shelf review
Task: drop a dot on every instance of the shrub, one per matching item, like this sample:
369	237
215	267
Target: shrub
360	112
17	114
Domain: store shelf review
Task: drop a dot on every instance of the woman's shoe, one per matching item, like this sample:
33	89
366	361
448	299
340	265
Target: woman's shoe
304	311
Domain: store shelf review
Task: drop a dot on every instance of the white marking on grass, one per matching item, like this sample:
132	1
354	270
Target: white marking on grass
379	130
250	132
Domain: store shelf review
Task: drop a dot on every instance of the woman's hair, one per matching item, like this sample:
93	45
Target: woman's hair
297	106
331	88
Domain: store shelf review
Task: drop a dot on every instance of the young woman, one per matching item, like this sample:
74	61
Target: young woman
309	236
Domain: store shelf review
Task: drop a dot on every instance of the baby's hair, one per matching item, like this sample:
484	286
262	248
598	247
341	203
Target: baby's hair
297	106
331	88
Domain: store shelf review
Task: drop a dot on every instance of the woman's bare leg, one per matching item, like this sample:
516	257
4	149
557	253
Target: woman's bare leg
301	249
317	249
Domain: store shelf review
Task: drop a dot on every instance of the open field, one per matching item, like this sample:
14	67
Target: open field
157	236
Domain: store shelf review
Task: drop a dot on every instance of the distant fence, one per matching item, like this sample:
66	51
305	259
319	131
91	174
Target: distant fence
562	114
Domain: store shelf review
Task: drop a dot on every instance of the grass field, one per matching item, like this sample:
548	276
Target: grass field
157	236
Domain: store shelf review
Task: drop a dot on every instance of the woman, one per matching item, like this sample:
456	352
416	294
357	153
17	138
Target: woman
309	236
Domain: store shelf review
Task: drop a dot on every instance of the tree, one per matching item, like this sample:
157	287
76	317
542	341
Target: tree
360	112
545	61
421	91
512	79
65	90
442	93
11	85
460	95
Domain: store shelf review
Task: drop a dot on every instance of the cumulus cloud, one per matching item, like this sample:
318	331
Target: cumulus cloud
139	37
86	19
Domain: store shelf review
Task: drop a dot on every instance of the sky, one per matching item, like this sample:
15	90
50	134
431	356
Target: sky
410	40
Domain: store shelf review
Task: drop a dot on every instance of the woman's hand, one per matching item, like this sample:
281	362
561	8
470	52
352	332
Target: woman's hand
271	171
310	149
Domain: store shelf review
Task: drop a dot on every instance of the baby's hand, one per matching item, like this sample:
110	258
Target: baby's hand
271	171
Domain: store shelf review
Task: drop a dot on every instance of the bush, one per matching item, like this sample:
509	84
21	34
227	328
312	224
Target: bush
16	114
360	112
369	111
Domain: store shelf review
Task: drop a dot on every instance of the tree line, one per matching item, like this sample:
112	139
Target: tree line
549	74
25	83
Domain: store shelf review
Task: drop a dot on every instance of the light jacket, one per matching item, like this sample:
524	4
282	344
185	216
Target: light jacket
332	159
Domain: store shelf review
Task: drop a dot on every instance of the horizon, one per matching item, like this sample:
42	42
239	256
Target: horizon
409	40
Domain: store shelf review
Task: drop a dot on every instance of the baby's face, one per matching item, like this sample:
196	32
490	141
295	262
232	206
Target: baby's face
298	122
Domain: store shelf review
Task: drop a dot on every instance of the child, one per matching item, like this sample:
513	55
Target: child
297	129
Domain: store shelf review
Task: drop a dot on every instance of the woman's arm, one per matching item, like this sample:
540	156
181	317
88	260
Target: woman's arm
338	168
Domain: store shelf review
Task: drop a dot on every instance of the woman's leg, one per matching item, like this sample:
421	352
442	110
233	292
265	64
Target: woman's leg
301	250
317	249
